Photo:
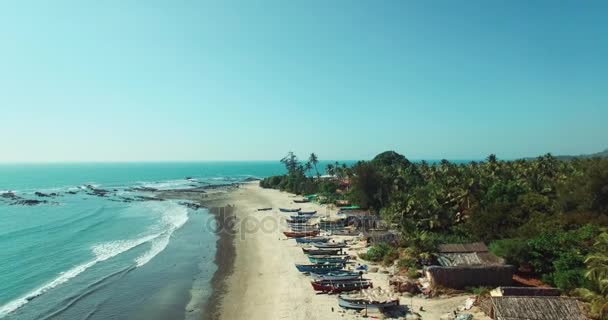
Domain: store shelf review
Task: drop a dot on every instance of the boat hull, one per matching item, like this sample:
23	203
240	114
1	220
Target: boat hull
319	268
290	210
320	259
293	234
338	287
311	240
336	276
321	252
359	304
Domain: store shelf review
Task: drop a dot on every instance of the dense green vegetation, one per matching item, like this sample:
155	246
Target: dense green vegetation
300	180
543	215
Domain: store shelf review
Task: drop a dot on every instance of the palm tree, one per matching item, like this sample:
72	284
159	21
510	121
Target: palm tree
314	160
307	167
330	169
290	161
597	273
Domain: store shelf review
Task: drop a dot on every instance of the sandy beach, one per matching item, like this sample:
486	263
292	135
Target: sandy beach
257	278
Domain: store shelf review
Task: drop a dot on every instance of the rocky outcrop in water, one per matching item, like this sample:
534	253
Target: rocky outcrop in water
28	202
46	195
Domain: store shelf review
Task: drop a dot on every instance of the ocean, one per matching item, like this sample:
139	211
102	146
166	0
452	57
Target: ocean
81	255
93	250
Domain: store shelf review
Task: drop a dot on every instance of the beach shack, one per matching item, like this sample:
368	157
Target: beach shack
535	307
468	265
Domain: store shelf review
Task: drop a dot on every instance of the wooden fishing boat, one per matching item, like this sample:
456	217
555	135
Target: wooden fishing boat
319	268
301	201
329	259
321	252
303	228
298	219
332	224
341	286
336	276
264	209
290	210
360	303
329	245
295	234
344	232
312	239
307	213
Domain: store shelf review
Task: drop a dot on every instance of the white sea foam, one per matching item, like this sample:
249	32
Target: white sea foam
169	184
173	217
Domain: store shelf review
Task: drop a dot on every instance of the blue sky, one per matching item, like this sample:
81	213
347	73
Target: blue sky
245	80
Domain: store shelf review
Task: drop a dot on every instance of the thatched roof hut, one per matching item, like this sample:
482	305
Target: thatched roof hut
465	254
470	276
535	308
525	291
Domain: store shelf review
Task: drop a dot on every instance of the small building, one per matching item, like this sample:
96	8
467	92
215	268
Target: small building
462	254
525	292
468	265
537	308
379	236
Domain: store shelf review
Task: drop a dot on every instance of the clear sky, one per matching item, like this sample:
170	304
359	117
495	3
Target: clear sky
250	80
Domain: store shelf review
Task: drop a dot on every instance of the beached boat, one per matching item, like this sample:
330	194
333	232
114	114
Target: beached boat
296	234
332	223
341	286
298	219
312	239
359	302
329	245
264	209
303	228
319	268
321	252
336	276
307	213
301	201
329	259
290	210
344	232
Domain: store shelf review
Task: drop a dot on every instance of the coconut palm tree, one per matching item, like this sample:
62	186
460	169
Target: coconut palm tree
597	273
314	160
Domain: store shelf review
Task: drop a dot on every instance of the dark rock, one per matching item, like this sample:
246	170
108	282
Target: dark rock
191	205
29	202
45	195
9	195
145	198
143	189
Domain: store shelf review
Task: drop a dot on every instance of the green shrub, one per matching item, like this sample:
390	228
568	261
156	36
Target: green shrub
381	252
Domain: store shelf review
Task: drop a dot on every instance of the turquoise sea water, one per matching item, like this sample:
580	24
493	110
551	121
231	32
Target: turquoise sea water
82	256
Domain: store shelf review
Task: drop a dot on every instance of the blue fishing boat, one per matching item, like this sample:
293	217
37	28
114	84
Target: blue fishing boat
290	210
328	259
319	268
312	239
307	213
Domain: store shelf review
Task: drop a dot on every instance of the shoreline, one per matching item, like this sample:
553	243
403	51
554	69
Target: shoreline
225	256
255	276
216	202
